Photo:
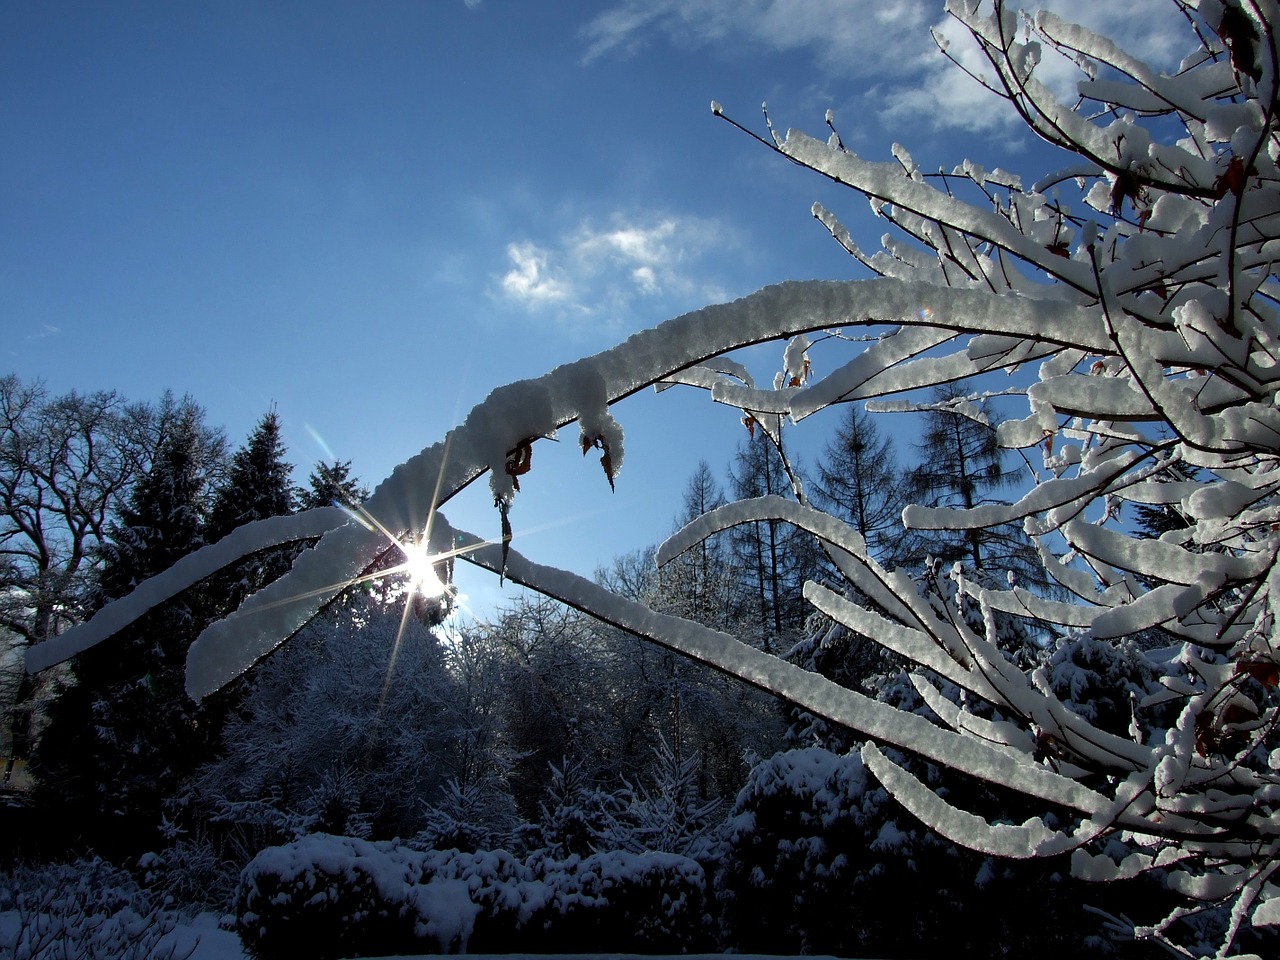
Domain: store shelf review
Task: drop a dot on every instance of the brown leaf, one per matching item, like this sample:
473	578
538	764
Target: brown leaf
519	462
1240	38
1206	733
1126	185
1233	179
750	423
1266	672
504	509
606	460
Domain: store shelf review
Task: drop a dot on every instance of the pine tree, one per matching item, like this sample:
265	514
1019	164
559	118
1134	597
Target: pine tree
331	483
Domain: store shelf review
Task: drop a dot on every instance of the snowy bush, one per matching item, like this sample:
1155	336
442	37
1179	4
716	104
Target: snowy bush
328	896
616	901
1129	302
820	859
191	872
88	910
817	855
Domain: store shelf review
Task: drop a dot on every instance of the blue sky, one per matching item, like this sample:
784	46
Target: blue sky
370	215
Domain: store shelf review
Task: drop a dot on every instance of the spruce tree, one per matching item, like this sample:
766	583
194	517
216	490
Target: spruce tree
123	736
257	487
329	484
258	484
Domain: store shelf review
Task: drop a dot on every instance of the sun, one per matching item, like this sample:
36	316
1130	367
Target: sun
421	569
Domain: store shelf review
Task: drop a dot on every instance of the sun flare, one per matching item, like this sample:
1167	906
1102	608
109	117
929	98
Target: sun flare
420	567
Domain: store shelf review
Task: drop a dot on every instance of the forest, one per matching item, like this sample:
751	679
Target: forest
1015	680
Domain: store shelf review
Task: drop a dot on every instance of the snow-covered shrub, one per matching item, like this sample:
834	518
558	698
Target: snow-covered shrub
88	910
820	859
326	896
616	901
571	817
475	816
662	813
190	871
817	854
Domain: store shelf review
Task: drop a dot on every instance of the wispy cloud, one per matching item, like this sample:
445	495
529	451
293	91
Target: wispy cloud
601	270
886	44
45	330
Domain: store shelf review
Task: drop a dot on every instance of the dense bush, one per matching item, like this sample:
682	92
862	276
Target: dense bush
820	859
618	901
326	896
813	846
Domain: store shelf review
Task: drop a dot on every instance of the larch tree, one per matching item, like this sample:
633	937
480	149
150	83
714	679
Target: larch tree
1137	289
859	481
962	466
771	558
703	579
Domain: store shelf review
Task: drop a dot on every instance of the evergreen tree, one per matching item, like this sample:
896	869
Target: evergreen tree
164	518
257	487
329	484
258	484
123	737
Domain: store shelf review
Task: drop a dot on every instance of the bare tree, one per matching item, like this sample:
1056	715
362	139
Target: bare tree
66	463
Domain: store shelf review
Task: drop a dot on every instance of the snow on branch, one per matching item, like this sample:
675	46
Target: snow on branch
1134	680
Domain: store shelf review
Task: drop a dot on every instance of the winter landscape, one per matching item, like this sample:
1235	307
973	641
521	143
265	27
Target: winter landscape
966	647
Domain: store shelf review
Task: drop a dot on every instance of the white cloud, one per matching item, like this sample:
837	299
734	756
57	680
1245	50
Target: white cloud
824	25
885	43
596	270
530	280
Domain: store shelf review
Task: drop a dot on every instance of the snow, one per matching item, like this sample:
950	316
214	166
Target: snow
190	570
